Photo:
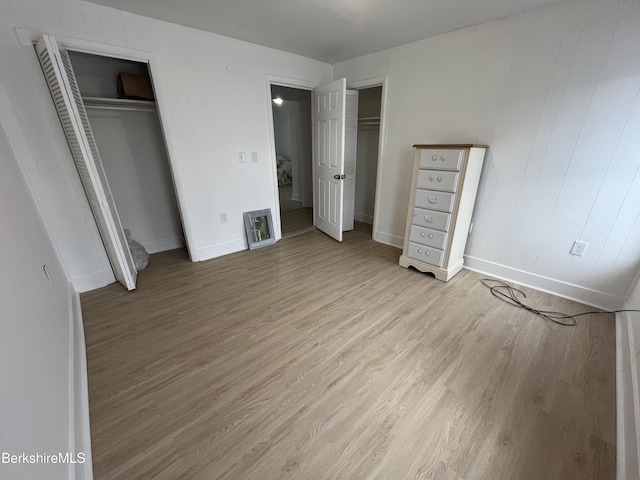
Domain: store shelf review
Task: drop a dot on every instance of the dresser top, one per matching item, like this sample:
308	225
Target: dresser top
451	145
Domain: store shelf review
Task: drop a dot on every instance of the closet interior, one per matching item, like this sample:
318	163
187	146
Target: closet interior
369	107
129	138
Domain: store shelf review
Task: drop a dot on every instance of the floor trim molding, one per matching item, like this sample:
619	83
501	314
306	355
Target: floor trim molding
79	431
570	291
220	249
627	403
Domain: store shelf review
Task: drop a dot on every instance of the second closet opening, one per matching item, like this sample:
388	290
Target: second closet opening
131	143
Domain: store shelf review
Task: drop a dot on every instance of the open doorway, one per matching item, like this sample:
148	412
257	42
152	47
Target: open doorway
292	137
291	106
369	108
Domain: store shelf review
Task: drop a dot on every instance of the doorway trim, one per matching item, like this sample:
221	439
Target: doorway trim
308	85
28	38
274	80
362	85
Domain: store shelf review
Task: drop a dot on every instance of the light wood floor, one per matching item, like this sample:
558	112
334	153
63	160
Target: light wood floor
286	202
317	360
295	222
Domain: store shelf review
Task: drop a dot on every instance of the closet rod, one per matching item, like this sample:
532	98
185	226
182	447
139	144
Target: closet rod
369	121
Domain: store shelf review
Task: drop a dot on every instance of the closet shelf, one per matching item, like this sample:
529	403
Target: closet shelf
119	104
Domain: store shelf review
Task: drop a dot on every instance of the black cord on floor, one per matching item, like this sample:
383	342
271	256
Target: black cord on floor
509	294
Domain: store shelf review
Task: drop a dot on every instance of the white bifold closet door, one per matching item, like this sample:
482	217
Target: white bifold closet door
58	72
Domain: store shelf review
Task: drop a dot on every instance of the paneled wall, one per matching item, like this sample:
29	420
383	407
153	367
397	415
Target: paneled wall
213	99
554	92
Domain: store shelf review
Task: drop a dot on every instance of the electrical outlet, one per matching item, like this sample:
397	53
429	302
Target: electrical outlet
254	157
578	248
223	217
242	157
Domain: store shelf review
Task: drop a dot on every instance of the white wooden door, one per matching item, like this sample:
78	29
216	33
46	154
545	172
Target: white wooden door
61	80
328	117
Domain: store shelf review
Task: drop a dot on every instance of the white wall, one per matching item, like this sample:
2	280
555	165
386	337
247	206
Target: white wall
282	129
213	99
37	410
134	157
554	93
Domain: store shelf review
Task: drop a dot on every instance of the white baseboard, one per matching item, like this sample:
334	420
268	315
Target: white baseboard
92	281
220	249
297	197
556	287
363	217
627	403
163	245
388	239
79	428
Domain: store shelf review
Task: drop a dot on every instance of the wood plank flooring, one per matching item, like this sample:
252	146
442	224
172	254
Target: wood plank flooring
295	222
312	359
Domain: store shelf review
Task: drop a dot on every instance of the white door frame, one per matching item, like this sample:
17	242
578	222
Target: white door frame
361	85
307	85
29	37
281	82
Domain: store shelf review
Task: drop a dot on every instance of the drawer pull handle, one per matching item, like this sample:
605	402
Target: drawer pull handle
419	251
442	158
434	158
439	179
431	235
427	253
431	179
430	220
433	202
422	234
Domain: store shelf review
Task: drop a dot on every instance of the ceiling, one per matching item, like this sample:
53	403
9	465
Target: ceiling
327	30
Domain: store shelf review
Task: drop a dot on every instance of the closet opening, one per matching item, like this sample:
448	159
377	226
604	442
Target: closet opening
291	109
131	144
368	141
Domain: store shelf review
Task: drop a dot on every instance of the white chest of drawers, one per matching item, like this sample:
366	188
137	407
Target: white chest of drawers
443	192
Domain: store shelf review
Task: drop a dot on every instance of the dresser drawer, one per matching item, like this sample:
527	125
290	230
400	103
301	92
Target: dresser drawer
441	201
429	255
426	236
444	159
438	180
431	219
